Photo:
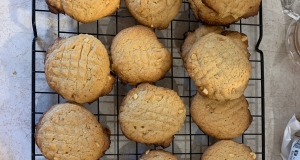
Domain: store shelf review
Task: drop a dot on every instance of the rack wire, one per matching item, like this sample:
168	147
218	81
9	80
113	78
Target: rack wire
190	142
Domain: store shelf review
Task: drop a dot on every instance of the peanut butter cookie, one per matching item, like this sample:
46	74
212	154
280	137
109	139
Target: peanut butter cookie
219	67
154	13
137	56
229	150
151	115
78	68
69	131
221	119
82	10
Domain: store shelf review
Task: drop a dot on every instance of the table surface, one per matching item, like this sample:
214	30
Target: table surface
281	79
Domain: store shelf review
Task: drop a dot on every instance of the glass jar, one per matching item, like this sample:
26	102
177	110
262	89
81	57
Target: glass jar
292	9
292	41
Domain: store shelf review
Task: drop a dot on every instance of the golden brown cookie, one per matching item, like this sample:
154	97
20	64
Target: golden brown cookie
236	9
151	115
78	68
158	155
69	131
82	10
229	150
208	16
219	67
193	37
154	13
221	119
137	56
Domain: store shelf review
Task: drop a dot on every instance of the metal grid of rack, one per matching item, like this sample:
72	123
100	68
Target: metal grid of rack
190	142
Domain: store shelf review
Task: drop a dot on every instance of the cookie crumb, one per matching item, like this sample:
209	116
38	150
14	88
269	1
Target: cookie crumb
205	91
135	96
147	152
180	111
98	145
14	73
253	155
194	57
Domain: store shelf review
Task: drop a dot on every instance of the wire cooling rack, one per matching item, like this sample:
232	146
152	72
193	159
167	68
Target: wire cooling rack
190	142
